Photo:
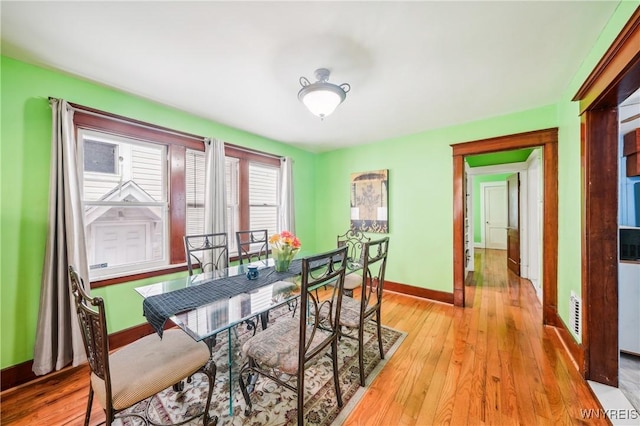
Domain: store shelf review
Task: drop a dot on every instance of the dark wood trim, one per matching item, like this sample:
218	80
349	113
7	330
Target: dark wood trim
123	126
574	349
177	204
22	373
251	155
605	79
17	375
616	76
129	335
458	227
548	140
600	239
243	194
550	234
424	293
532	139
125	279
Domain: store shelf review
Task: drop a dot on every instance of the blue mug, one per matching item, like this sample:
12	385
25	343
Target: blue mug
252	272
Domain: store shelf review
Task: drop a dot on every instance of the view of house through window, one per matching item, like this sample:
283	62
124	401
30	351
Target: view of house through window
129	180
125	200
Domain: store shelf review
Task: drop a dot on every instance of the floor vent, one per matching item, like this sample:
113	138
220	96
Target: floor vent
575	314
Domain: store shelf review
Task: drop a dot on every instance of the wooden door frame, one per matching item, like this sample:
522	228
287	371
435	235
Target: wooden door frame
614	78
547	139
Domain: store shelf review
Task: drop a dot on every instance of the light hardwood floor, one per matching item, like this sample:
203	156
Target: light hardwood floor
490	363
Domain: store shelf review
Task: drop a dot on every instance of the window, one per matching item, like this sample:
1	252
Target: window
252	195
253	192
100	156
263	197
143	190
125	203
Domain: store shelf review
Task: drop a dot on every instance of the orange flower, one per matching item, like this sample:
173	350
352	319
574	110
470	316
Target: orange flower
284	245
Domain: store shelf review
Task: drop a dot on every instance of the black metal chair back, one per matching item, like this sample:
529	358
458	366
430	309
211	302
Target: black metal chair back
318	271
375	265
354	240
317	329
209	251
93	324
252	245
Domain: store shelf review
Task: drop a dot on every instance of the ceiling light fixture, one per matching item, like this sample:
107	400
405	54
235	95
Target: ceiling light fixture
322	97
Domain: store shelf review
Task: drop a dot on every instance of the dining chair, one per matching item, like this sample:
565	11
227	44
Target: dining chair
209	251
139	370
355	313
252	245
291	345
354	240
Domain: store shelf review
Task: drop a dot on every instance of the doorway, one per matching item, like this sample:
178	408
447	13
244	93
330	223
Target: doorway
615	78
483	182
548	140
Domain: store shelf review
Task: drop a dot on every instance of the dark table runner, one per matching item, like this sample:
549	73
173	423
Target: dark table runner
157	309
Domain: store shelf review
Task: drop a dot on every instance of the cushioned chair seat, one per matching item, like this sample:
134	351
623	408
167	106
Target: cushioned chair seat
277	346
139	369
352	281
350	313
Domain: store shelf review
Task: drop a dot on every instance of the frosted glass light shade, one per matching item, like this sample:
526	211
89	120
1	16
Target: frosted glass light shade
322	97
321	102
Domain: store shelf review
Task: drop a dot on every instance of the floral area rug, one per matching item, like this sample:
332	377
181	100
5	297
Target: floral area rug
272	404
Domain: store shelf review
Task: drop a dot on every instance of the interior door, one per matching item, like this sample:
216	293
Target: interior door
495	216
513	223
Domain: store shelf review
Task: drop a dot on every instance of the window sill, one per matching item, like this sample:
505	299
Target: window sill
103	282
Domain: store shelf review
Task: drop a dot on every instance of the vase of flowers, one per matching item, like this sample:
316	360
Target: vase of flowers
284	247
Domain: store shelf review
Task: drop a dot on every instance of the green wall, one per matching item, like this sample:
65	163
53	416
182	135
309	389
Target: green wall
420	182
25	155
477	195
420	193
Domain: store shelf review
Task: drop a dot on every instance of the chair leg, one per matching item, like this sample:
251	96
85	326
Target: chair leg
379	324
336	379
210	371
264	320
361	353
87	415
251	381
300	395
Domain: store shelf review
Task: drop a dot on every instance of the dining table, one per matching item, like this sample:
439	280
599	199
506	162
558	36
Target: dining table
209	305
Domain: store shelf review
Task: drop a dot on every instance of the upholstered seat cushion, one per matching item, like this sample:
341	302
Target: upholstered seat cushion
350	312
277	346
149	365
352	281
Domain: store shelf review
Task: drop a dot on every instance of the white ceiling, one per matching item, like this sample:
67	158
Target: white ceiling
412	66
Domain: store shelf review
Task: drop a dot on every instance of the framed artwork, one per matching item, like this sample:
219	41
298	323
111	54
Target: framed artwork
369	201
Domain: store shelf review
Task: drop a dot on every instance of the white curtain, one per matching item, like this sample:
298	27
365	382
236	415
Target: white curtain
287	208
58	337
215	190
